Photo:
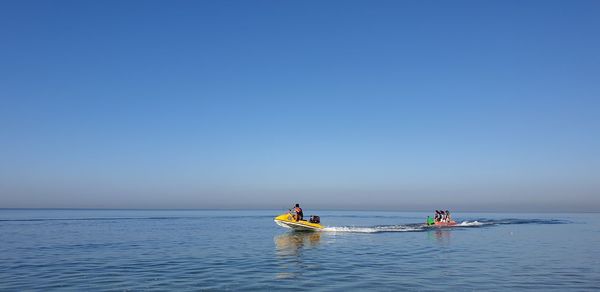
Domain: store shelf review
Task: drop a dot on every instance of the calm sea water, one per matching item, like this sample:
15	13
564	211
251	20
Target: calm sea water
244	250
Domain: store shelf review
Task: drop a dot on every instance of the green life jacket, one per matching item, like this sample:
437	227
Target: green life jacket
430	221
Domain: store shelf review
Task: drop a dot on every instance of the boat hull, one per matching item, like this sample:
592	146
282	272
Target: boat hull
287	221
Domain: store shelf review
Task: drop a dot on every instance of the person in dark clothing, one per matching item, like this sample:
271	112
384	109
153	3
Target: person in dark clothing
299	215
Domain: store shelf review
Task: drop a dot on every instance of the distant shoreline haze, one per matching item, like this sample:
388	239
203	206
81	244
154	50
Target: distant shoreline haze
367	203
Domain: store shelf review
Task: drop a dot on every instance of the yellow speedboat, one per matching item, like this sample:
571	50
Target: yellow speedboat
287	221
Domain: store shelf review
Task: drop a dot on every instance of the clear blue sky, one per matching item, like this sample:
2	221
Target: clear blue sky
401	105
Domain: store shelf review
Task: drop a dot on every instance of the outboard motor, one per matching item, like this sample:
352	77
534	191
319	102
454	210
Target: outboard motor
314	219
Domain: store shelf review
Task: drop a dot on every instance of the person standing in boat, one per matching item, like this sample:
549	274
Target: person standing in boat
299	214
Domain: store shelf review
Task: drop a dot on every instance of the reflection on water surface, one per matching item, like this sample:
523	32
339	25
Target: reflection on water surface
289	247
291	243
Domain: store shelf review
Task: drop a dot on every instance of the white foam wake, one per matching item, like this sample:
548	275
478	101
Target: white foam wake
422	227
354	229
472	223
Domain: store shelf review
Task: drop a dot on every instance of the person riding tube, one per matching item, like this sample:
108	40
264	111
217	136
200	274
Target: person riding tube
430	221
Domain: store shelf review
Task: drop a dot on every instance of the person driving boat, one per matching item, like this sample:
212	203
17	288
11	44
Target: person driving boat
294	219
298	214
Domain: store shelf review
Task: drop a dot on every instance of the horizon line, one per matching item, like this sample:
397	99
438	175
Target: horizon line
271	209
